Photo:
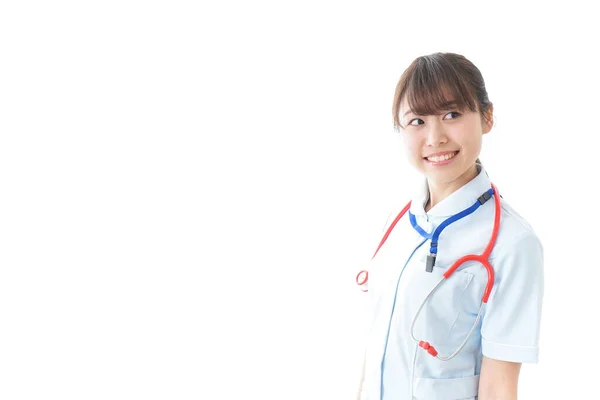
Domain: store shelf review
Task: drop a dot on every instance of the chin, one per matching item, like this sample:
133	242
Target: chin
442	176
441	179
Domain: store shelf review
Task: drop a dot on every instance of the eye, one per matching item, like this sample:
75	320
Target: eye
455	114
416	119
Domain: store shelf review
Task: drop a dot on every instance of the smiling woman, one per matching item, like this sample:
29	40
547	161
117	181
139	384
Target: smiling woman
456	300
445	111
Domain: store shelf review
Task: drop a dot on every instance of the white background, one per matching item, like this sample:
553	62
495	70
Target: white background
188	191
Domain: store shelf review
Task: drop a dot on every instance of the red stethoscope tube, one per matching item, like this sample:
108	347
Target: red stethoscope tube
365	273
483	258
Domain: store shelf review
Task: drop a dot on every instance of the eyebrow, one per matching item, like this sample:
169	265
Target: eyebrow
444	106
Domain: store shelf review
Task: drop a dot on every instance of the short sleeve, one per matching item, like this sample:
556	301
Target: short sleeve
511	323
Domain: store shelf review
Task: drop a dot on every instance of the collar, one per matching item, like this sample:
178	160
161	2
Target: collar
461	199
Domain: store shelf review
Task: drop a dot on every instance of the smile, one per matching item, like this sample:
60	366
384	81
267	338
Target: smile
441	158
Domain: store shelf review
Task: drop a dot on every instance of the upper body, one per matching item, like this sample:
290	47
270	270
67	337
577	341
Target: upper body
442	133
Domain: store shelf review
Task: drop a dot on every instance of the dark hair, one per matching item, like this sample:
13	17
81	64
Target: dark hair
430	81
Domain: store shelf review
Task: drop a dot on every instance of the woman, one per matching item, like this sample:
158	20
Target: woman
456	340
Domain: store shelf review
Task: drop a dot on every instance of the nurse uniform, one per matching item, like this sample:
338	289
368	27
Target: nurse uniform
396	368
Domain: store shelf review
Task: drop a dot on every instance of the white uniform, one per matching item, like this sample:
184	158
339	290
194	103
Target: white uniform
396	368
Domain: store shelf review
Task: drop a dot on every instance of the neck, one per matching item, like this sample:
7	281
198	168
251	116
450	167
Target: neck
438	191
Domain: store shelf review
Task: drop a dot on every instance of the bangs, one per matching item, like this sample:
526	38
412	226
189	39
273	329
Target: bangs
433	85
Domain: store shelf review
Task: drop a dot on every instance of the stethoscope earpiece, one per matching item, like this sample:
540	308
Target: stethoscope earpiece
361	280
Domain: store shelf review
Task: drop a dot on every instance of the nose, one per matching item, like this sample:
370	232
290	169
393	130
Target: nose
435	134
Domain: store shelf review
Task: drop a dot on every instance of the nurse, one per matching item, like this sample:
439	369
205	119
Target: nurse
446	343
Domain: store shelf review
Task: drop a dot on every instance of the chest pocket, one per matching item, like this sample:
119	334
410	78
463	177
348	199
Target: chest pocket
438	322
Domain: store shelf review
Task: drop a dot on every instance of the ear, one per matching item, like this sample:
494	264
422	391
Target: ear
488	120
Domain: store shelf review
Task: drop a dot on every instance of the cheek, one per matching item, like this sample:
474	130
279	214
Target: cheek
473	142
467	137
411	146
412	153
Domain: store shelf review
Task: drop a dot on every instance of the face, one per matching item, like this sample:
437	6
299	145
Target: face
443	147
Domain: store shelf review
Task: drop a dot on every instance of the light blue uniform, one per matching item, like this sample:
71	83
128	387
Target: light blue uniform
398	283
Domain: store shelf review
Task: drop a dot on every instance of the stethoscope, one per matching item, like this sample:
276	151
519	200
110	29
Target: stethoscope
363	276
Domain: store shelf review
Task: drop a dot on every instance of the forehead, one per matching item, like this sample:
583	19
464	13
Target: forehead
404	107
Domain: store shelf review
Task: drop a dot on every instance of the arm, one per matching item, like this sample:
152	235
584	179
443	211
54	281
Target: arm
498	379
511	325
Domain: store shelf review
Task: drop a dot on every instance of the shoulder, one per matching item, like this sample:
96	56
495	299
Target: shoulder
515	234
394	212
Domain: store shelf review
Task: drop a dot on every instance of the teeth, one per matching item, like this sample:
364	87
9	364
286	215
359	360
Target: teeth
441	158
